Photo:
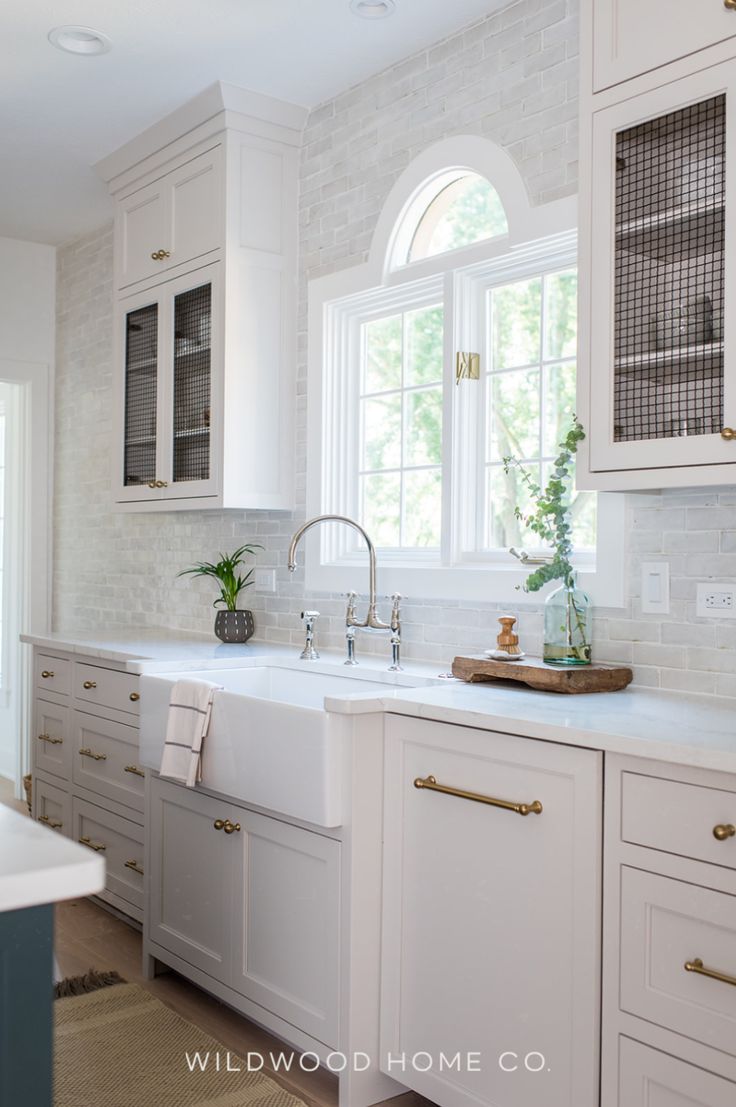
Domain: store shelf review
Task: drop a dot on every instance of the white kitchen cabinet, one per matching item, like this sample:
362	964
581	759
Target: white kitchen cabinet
631	37
251	901
491	927
174	221
669	936
87	782
170	401
205	348
657	368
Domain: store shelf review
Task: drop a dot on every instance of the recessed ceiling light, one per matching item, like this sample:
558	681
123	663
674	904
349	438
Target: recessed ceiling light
373	9
80	40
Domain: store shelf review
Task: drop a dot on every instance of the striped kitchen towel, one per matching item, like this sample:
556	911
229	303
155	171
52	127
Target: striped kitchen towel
190	709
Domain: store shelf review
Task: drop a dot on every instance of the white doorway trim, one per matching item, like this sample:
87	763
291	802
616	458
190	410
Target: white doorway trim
30	602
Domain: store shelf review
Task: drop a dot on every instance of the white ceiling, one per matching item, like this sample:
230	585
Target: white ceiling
60	113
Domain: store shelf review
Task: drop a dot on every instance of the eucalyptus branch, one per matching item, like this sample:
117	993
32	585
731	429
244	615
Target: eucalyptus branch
551	518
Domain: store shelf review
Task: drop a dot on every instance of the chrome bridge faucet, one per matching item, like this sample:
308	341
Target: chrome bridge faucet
352	622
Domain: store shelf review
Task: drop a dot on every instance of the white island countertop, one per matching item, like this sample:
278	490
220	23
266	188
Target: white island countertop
38	866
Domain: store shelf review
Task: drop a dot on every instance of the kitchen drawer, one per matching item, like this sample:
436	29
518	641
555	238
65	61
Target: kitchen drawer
106	759
648	1078
52	748
53	674
52	806
666	924
120	842
678	818
106	688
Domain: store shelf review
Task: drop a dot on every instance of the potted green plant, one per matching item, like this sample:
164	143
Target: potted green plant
233	624
567	610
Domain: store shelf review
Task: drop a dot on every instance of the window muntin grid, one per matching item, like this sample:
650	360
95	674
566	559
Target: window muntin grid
669	275
141	372
400	414
529	389
192	383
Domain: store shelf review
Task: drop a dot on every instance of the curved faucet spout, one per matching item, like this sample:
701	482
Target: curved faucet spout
372	619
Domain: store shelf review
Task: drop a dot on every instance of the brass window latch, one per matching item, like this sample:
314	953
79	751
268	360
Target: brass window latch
467	367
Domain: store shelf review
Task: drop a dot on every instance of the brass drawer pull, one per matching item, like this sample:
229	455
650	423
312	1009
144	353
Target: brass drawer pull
724	831
96	846
430	782
86	752
55	824
160	255
134	696
60	741
134	769
47	673
698	967
226	825
135	867
89	684
728	433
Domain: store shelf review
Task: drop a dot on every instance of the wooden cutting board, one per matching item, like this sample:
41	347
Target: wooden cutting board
572	679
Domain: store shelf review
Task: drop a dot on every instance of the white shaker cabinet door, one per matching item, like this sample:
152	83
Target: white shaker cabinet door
491	918
287	912
191	866
140	227
631	37
649	1078
196	208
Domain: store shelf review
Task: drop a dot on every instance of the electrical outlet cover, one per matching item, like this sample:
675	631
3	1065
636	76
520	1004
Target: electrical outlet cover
716	600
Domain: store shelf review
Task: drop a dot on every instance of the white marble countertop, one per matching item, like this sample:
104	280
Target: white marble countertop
38	866
667	726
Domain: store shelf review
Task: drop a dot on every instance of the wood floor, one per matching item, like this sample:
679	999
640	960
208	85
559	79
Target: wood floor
89	937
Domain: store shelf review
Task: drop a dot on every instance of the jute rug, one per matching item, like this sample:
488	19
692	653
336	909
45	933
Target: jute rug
121	1047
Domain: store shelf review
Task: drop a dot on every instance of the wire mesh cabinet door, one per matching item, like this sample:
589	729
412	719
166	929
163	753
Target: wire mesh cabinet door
139	400
662	371
193	385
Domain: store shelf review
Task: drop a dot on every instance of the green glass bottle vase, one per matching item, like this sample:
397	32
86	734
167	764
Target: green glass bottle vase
568	619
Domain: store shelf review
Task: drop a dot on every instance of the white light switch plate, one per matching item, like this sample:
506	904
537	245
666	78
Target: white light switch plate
655	588
265	580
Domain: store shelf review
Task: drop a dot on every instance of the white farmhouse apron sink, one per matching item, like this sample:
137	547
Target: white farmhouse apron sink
271	742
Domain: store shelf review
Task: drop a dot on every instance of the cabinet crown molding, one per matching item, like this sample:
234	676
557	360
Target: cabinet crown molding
218	106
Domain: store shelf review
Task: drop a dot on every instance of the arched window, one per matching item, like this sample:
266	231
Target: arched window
454	345
455	209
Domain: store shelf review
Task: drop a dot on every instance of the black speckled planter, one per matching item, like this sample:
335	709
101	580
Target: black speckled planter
234	626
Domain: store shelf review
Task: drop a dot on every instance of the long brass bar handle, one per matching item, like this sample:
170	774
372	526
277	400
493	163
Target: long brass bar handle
135	867
86	752
430	782
698	967
96	846
55	824
134	769
724	831
54	741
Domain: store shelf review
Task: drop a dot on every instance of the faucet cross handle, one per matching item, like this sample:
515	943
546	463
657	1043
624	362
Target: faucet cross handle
350	613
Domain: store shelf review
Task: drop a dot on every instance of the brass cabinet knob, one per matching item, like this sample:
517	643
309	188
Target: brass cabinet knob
724	831
730	5
219	824
152	484
47	673
90	684
160	255
728	433
135	696
162	484
226	825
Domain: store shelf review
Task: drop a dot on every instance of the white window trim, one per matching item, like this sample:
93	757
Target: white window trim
339	301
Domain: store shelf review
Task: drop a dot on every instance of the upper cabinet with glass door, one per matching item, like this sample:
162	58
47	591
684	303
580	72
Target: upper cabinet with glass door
658	373
205	263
